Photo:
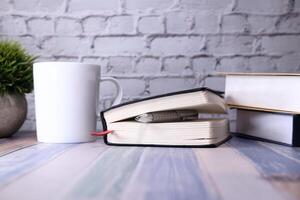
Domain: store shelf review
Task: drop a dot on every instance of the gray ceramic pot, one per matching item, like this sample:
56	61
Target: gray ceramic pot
13	110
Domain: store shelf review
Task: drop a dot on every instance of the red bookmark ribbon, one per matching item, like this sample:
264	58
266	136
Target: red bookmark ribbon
102	133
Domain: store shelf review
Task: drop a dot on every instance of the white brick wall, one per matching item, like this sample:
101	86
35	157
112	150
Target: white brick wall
261	64
79	6
233	64
297	5
94	25
262	24
121	25
66	46
234	24
204	65
171	84
289	62
148	65
176	65
206	22
153	5
68	27
109	46
121	64
179	45
204	5
230	45
151	24
280	44
179	22
13	25
5	5
40	26
263	7
157	46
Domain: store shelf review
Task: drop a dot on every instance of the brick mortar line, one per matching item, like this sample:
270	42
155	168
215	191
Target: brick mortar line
84	14
154	36
163	58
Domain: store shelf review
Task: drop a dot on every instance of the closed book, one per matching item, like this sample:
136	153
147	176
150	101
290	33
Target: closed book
274	127
276	92
137	123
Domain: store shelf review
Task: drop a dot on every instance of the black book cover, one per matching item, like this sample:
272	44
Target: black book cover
155	97
296	131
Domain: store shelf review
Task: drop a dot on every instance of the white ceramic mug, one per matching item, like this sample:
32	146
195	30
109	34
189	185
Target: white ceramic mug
66	98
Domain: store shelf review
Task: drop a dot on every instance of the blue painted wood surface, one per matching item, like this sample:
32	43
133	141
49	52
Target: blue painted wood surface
111	173
143	173
269	162
21	162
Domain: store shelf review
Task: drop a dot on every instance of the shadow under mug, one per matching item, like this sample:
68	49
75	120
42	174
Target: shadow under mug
66	101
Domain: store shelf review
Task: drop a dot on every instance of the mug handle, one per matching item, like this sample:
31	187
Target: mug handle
117	100
119	96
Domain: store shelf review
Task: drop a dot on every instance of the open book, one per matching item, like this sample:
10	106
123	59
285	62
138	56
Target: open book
168	120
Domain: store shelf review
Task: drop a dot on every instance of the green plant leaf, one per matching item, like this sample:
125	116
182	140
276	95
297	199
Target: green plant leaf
16	73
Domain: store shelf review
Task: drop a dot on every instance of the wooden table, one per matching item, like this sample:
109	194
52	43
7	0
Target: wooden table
239	169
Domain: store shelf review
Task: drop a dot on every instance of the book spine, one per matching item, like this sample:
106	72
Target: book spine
296	131
104	126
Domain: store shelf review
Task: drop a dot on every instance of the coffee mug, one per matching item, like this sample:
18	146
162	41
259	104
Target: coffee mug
66	101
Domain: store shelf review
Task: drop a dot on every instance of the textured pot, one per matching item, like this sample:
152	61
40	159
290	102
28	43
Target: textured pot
13	110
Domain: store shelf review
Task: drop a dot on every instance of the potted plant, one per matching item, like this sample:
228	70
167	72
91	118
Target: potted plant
16	79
